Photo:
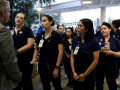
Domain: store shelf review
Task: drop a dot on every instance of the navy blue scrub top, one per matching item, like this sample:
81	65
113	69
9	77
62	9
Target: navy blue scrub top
91	46
20	40
98	34
116	34
49	52
108	63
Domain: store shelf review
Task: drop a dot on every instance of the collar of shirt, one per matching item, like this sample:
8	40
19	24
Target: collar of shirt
0	22
114	33
103	39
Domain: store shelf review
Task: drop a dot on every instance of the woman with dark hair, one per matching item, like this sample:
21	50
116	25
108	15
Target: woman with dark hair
24	43
116	34
98	29
49	45
67	46
107	65
84	56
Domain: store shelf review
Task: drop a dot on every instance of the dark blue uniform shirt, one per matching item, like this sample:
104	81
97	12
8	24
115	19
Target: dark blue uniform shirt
116	34
49	52
20	40
98	34
91	46
108	63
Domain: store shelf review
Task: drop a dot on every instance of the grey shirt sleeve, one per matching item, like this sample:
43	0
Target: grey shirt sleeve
7	54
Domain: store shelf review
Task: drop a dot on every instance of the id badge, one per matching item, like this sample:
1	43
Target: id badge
114	36
76	50
12	32
41	43
70	47
100	43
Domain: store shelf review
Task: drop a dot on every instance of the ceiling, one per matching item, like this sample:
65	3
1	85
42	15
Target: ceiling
76	5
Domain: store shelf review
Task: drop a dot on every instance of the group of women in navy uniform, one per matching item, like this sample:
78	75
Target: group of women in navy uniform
87	59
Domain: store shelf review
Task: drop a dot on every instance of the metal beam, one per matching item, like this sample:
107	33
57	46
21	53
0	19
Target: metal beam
81	1
101	2
111	2
91	2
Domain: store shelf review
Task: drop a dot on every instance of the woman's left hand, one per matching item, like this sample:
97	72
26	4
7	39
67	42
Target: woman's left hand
81	77
55	73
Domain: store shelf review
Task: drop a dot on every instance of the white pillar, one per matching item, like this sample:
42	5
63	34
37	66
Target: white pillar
39	19
59	19
103	15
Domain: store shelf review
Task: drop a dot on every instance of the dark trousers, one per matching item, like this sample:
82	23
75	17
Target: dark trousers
118	67
87	84
68	69
46	75
26	70
110	77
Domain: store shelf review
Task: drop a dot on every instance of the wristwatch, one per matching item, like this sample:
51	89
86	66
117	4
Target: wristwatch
57	67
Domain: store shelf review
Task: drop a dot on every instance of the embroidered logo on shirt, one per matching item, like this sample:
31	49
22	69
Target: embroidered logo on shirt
20	32
12	32
48	40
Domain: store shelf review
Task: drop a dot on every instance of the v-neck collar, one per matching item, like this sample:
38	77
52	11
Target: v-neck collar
18	30
49	36
108	39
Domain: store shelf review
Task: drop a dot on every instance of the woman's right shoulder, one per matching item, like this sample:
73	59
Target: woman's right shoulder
76	38
100	37
41	33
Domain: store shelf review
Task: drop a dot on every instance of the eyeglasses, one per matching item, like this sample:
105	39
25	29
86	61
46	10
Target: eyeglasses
61	28
79	25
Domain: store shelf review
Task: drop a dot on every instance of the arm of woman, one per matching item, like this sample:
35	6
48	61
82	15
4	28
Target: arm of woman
110	52
116	54
94	63
67	55
30	42
59	59
72	61
36	51
91	67
75	76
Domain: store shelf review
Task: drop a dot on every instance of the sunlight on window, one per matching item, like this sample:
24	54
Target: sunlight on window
112	13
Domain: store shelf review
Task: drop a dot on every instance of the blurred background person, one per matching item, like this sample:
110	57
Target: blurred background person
98	32
98	29
54	28
116	34
61	30
67	46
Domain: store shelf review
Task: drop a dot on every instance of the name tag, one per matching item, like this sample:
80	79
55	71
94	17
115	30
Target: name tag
70	47
76	50
100	43
114	36
41	43
12	32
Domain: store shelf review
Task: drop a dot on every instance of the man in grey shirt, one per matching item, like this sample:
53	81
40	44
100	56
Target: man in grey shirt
9	72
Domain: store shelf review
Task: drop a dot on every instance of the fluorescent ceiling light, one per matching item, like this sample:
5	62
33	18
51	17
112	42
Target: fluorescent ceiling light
39	9
86	2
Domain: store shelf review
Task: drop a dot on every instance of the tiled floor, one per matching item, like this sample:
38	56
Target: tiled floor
38	86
